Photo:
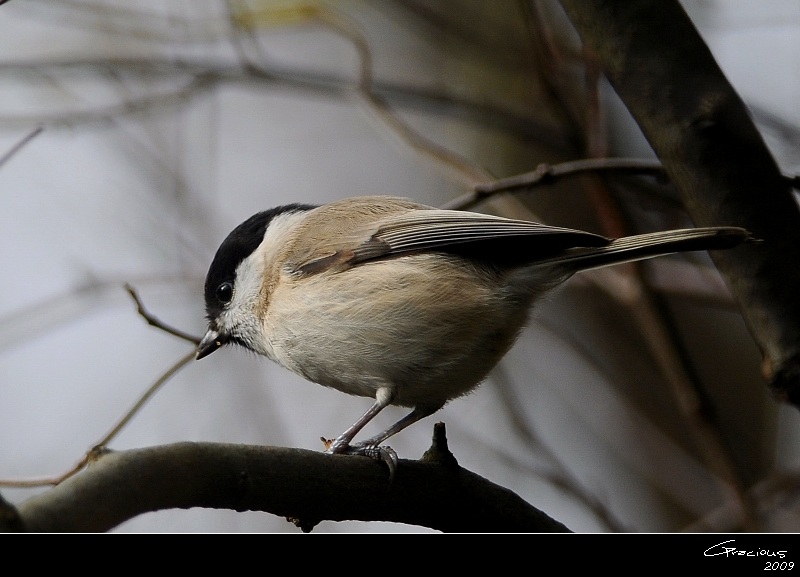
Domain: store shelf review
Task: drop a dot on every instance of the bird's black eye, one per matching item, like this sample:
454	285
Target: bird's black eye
225	292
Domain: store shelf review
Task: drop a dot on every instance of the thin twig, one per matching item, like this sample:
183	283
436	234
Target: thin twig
16	148
44	481
468	172
144	398
548	173
155	322
101	445
558	473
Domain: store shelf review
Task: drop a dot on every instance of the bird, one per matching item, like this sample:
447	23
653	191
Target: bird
403	303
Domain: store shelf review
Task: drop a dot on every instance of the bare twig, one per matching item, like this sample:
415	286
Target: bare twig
776	496
549	173
155	322
100	447
25	140
469	172
172	371
559	474
45	481
466	170
545	174
207	75
553	61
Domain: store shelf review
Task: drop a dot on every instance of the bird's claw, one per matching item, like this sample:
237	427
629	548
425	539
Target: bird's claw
385	454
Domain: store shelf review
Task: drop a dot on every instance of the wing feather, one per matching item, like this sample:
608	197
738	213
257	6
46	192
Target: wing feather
405	228
440	229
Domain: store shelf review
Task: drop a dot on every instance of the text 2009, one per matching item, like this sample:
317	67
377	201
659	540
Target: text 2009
779	566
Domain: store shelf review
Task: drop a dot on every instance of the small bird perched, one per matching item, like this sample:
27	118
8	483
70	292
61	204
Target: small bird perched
400	302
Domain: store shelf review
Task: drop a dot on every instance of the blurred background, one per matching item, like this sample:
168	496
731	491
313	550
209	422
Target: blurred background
138	133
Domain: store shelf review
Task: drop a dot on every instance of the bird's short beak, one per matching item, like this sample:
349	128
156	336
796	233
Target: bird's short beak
210	343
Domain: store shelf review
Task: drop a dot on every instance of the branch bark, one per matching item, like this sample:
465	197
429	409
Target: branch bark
304	486
712	151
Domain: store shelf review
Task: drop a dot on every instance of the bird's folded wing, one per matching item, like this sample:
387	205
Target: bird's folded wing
440	229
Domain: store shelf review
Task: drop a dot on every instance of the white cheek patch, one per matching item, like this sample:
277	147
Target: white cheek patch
240	317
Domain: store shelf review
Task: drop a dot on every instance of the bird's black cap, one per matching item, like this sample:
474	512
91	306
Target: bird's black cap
238	245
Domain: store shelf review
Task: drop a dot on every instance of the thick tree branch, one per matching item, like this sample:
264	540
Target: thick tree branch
714	154
304	486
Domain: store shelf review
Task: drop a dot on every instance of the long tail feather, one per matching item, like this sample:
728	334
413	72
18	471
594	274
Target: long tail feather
644	246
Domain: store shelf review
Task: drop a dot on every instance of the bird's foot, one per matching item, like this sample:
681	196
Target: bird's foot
383	454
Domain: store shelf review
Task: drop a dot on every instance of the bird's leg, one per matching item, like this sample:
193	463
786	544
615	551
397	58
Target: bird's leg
341	445
411	418
371	447
342	442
